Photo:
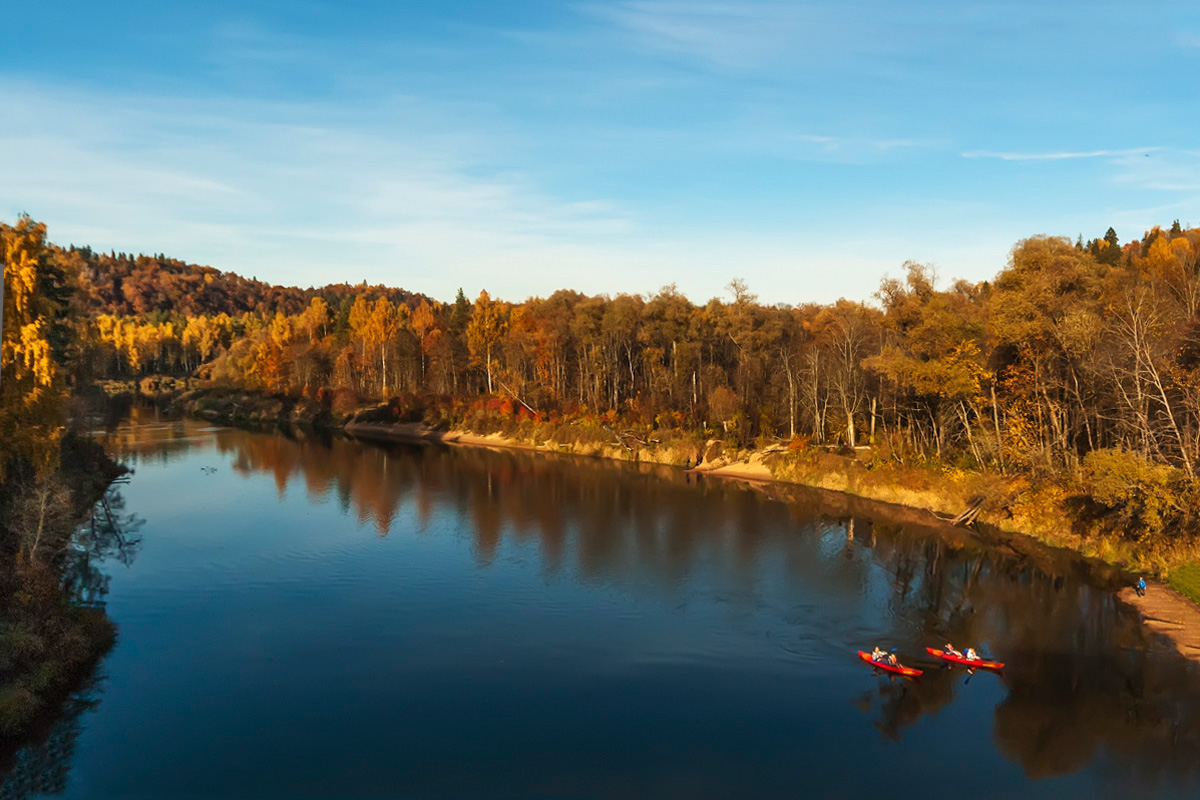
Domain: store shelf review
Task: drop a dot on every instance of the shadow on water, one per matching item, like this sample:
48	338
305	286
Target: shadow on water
1084	678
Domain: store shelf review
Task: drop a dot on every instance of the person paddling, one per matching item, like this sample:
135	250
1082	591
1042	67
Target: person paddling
881	657
950	651
971	655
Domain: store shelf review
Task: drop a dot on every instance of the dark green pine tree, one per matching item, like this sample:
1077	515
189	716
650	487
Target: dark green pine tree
1112	253
1148	240
341	323
461	314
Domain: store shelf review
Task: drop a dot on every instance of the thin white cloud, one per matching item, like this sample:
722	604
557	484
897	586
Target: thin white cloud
1170	171
293	194
526	183
849	148
751	35
271	189
1146	169
1059	155
731	35
287	194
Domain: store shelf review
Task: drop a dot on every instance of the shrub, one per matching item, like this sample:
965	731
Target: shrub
1140	497
345	401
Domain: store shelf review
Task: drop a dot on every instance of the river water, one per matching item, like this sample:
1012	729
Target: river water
328	618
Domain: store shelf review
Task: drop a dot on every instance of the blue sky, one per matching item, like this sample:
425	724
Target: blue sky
522	147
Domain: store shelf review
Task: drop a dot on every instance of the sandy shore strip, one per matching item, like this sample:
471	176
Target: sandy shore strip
419	432
1166	611
752	470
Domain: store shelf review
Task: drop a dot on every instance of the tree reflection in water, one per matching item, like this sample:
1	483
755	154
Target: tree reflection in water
42	766
1083	678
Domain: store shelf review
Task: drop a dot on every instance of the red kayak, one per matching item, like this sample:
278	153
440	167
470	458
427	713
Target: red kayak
907	672
964	661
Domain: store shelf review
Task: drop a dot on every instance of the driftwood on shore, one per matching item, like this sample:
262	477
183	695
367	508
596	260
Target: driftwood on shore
623	438
975	507
968	517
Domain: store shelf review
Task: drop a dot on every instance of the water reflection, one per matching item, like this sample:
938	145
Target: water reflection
41	765
1083	680
44	767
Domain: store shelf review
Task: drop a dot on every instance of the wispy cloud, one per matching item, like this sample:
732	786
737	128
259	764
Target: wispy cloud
1163	181
749	34
778	142
638	143
240	186
1171	171
736	35
292	194
1059	155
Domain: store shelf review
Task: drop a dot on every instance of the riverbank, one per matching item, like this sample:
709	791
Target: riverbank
1169	613
1049	511
942	495
1017	512
1009	508
49	644
239	407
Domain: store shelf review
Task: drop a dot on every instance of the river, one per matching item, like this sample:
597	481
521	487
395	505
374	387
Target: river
309	617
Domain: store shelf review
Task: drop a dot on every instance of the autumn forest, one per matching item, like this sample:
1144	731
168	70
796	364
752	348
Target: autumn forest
1080	358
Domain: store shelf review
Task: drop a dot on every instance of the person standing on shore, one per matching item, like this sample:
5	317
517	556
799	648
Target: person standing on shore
1141	587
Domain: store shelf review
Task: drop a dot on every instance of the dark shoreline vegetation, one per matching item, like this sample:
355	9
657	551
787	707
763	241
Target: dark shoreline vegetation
53	628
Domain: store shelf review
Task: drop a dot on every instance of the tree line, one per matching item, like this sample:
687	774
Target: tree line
1074	348
1071	348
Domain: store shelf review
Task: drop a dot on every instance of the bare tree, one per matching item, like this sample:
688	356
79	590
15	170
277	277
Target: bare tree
41	520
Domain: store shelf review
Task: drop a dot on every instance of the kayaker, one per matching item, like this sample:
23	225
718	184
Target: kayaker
1141	587
877	654
950	651
970	655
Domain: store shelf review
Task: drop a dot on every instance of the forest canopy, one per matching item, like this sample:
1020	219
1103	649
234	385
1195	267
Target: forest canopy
1073	348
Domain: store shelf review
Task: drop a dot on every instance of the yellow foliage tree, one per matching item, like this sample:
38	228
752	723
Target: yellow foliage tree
31	392
484	332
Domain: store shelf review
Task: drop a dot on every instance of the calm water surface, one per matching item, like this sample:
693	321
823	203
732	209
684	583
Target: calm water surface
308	618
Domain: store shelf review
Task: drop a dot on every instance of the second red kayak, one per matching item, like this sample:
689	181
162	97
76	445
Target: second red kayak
933	651
907	672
